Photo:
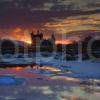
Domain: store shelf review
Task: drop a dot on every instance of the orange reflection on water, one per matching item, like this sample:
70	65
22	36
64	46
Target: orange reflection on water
51	69
65	78
18	68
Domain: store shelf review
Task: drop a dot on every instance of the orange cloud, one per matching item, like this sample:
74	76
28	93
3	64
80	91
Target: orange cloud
64	42
17	30
20	34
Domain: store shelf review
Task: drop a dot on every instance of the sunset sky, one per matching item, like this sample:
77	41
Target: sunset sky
19	17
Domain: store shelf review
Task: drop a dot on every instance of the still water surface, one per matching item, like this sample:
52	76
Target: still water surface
45	83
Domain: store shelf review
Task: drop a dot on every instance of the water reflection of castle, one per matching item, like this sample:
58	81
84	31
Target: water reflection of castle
39	40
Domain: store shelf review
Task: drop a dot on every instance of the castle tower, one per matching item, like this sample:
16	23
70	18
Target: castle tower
32	36
36	38
53	38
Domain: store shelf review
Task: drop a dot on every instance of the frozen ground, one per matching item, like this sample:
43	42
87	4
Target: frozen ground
38	87
77	69
49	79
10	80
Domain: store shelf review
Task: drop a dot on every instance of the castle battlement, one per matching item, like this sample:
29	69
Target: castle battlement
36	38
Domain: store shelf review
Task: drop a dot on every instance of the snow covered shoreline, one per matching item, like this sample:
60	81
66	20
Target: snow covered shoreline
79	69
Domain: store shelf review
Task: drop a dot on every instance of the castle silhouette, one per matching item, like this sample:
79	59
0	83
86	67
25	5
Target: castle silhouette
38	40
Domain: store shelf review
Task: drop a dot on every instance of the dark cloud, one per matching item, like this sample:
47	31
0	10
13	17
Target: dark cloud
63	7
93	5
21	12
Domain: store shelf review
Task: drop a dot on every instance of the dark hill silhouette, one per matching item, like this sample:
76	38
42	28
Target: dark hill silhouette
12	46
